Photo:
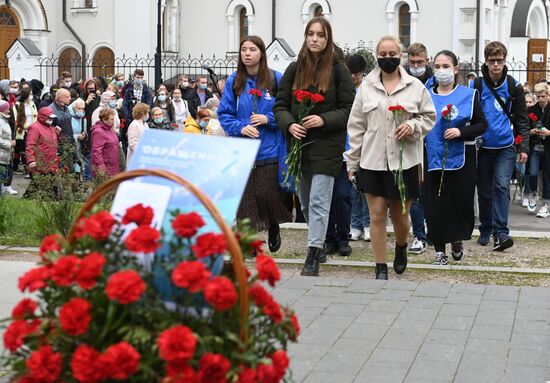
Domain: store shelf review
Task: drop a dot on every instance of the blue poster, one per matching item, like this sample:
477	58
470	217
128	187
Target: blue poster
219	166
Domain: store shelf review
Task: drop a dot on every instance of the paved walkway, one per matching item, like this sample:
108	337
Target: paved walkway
362	330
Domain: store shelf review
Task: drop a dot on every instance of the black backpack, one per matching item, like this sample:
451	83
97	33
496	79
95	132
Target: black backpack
511	83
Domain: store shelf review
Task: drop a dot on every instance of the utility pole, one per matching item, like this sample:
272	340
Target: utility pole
158	72
478	37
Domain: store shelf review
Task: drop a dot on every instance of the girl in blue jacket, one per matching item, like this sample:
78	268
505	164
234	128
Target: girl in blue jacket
246	110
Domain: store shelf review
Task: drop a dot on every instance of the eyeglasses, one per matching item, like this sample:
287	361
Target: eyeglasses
496	62
417	63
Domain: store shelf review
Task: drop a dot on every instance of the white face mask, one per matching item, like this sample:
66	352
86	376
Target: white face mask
445	76
418	71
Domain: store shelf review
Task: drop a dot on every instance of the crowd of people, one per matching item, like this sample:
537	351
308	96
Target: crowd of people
406	140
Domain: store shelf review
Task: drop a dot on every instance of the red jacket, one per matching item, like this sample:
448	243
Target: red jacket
42	143
104	150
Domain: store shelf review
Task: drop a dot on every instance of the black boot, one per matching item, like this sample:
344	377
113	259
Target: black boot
274	239
311	266
381	271
400	261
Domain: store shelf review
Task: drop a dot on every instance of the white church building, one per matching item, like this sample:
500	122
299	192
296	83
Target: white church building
109	29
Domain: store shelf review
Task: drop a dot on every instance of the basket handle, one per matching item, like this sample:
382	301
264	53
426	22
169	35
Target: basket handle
232	243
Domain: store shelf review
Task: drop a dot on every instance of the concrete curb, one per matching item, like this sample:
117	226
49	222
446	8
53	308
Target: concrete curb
513	233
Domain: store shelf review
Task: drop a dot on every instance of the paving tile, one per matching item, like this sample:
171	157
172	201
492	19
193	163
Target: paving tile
522	326
299	369
329	322
468	289
497	306
418	314
465	299
365	286
394	295
481	331
533	314
312	301
308	313
401	285
298	282
343	364
441	352
334	282
498	318
393	357
458	310
344	309
402	341
527	374
288	296
372	373
385	306
319	336
354	298
377	317
501	293
433	289
480	370
531	341
328	377
518	356
425	302
304	352
481	348
453	322
325	291
406	326
352	346
444	336
432	370
358	330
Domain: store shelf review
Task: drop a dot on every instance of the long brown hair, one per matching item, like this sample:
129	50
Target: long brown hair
21	117
313	71
263	72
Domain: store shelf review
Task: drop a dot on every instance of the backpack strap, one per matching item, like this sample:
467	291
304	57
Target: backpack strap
503	105
273	86
478	85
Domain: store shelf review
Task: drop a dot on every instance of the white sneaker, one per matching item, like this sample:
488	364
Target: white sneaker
525	202
532	205
366	234
543	212
10	191
417	246
355	234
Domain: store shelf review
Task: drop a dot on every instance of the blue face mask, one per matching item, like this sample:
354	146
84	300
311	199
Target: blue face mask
79	114
203	86
162	98
159	120
139	82
203	124
120	84
112	104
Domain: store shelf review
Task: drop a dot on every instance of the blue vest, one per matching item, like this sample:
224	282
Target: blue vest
462	99
499	133
430	82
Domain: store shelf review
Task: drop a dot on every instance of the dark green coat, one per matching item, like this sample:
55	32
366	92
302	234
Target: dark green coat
324	155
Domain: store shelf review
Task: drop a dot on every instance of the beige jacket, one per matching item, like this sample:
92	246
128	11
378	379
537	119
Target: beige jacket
371	126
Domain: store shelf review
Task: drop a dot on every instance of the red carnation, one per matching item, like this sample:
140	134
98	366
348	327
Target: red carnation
267	269
125	287
90	269
50	243
144	239
295	325
74	316
302	95
247	375
445	113
121	360
273	310
280	362
266	373
65	270
518	139
45	365
255	92
86	365
34	279
181	373
209	244
192	276
213	368
264	300
533	117
25	307
177	344
220	293
99	225
139	214
316	98
187	225
17	331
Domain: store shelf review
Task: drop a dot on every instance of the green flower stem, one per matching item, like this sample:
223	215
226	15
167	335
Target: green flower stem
444	162
400	179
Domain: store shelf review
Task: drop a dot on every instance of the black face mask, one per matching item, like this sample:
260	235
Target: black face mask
389	64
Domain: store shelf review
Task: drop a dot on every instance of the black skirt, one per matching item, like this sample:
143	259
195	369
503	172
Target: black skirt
450	216
383	183
262	201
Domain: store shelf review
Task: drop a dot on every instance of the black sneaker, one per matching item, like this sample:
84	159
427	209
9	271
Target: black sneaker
311	265
483	239
400	261
503	243
330	248
381	271
457	250
344	249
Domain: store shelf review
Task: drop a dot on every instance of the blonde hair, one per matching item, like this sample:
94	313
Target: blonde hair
394	39
105	113
541	87
156	109
140	110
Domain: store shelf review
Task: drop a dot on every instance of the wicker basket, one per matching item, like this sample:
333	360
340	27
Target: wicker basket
232	243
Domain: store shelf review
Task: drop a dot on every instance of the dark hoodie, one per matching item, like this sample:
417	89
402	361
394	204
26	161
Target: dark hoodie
42	143
37	86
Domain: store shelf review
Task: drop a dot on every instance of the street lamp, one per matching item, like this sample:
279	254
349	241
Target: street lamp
158	72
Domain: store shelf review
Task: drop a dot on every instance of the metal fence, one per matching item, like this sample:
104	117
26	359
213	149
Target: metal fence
522	71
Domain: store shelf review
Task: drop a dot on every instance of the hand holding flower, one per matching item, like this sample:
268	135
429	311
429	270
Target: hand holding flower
250	131
404	131
312	121
258	119
452	133
297	131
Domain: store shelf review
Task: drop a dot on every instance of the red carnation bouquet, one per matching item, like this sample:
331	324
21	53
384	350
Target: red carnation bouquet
256	96
307	101
446	114
96	314
397	111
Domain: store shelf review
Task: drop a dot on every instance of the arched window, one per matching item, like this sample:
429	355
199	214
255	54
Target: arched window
243	24
69	61
405	25
315	8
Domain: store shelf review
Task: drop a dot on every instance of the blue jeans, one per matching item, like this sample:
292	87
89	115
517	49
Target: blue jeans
360	215
315	193
417	216
536	161
340	209
494	172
